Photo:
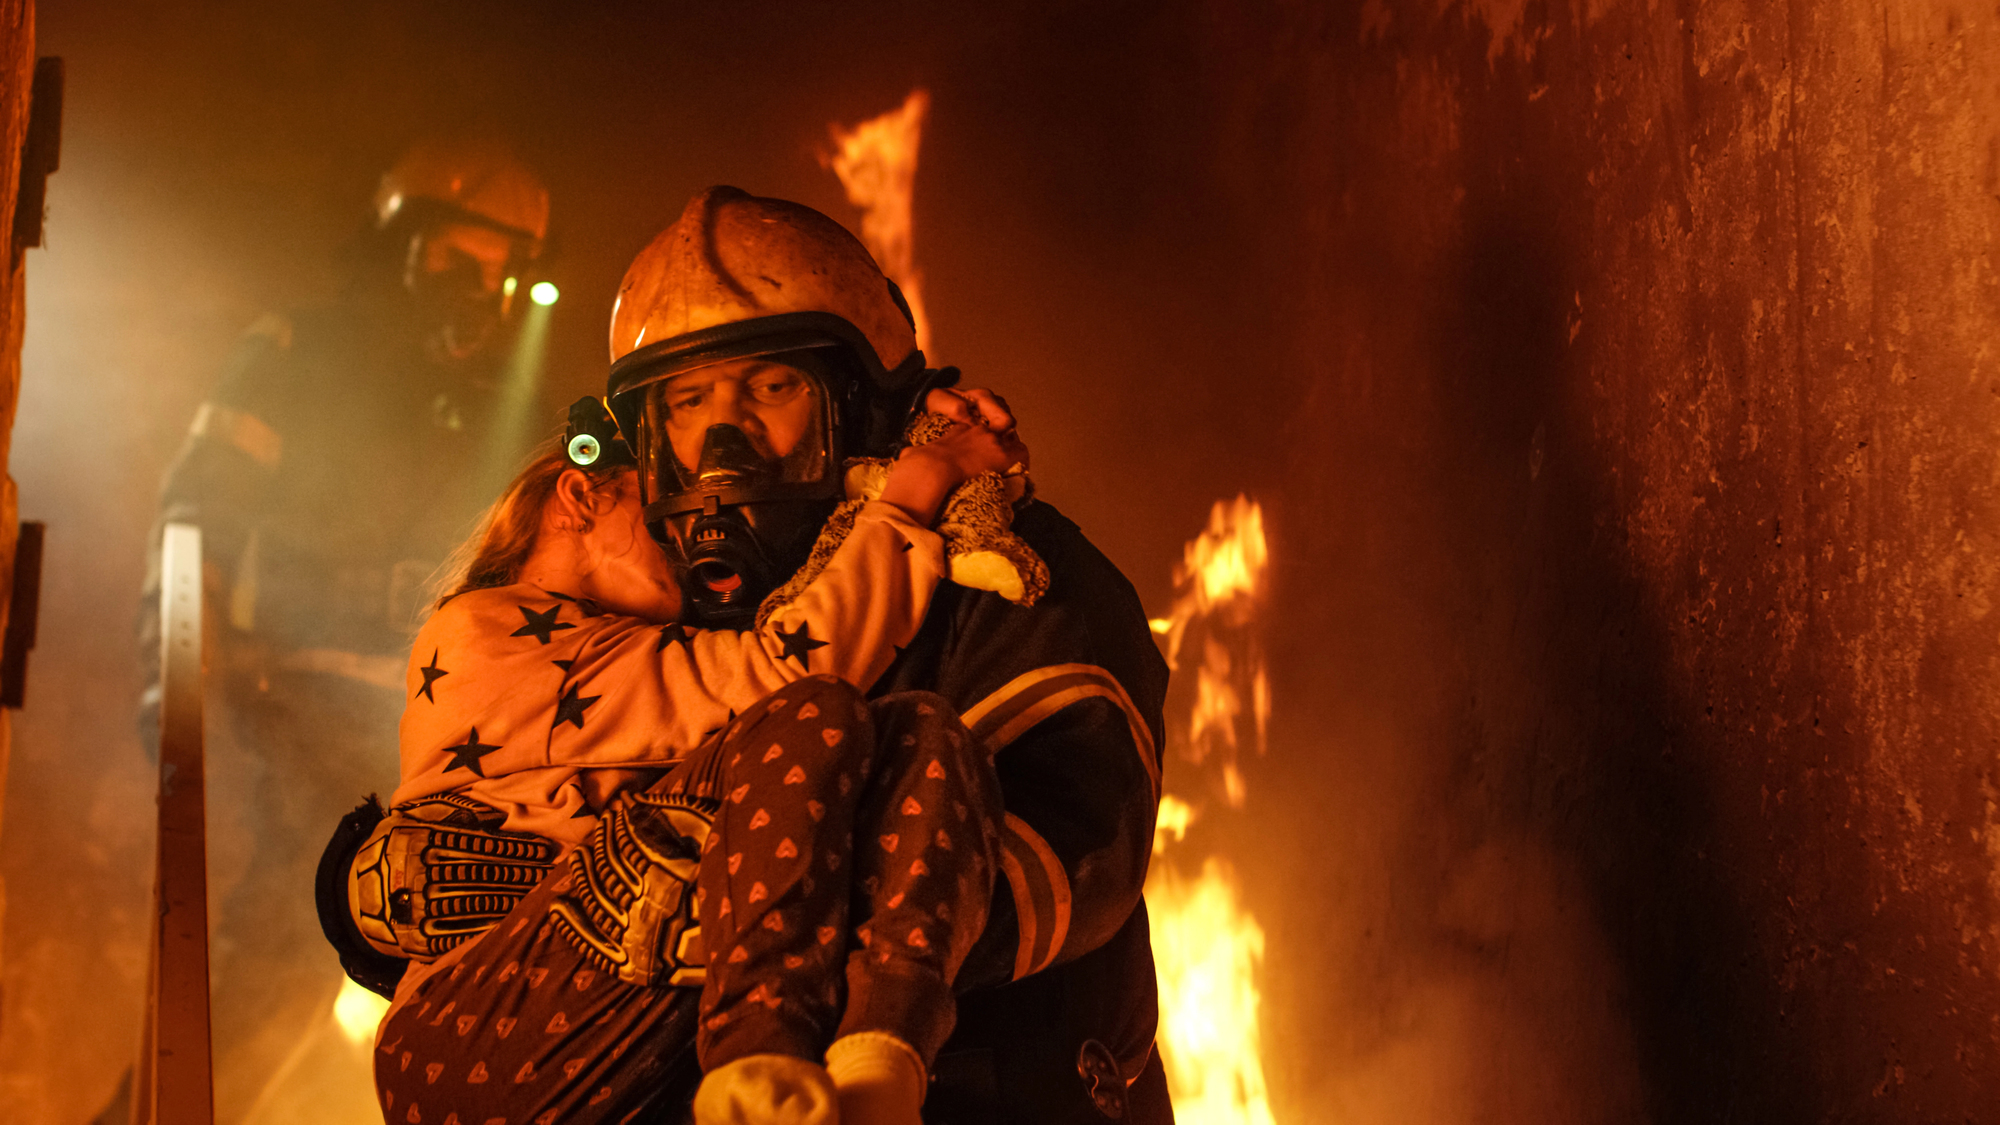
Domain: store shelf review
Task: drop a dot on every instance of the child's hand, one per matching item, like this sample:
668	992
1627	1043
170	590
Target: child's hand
924	475
974	405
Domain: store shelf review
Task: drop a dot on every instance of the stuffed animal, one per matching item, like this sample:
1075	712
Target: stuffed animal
980	547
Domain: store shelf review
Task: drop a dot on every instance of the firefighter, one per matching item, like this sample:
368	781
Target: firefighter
1058	1002
331	470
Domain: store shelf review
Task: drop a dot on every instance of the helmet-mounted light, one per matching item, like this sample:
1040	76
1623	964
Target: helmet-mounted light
591	440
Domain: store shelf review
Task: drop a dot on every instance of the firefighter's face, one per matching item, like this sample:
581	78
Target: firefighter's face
773	403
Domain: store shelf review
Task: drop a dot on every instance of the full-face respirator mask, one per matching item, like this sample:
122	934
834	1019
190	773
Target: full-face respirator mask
450	297
739	435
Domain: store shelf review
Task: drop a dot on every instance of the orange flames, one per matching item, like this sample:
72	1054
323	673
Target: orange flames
877	164
1207	949
1219	585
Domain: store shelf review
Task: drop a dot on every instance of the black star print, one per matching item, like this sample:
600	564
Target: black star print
432	675
563	664
570	708
540	625
669	635
466	754
799	643
583	808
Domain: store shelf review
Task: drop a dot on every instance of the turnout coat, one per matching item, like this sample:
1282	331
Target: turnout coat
1067	696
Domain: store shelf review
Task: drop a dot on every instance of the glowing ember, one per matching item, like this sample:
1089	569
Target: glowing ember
358	1012
877	164
1207	949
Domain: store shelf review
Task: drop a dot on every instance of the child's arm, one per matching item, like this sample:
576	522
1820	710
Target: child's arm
517	678
540	679
661	690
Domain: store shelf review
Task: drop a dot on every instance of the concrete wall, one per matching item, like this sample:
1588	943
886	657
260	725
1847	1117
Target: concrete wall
1642	518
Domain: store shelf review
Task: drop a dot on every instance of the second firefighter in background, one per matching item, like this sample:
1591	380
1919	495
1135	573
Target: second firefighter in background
331	470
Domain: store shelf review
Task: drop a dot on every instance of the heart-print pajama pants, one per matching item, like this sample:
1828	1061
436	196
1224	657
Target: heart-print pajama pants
843	883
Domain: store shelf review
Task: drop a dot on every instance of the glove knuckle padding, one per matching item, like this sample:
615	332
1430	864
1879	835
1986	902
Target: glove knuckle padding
630	904
438	872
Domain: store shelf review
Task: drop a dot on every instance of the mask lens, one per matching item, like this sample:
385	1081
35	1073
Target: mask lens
738	425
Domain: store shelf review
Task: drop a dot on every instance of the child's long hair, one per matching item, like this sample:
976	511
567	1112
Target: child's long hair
495	553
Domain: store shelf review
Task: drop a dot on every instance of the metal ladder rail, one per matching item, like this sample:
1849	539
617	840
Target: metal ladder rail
173	1083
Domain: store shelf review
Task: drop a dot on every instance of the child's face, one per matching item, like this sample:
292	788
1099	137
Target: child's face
626	571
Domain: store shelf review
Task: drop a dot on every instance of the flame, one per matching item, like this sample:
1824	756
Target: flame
358	1012
1228	559
877	164
1219	587
1171	825
1207	950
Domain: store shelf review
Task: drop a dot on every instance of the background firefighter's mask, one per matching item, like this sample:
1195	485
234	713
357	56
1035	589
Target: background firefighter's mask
454	300
464	278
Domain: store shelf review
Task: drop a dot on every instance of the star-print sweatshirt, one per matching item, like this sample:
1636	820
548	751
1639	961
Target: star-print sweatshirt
544	706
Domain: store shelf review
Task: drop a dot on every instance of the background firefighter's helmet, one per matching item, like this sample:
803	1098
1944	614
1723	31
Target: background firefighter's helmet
739	276
471	180
470	220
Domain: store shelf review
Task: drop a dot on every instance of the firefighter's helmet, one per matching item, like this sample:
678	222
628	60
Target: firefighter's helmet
474	180
734	260
739	277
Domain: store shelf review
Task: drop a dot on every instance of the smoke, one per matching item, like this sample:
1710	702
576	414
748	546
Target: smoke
1096	266
1508	1010
1603	758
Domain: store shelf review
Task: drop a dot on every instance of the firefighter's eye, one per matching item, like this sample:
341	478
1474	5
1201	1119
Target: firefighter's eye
777	387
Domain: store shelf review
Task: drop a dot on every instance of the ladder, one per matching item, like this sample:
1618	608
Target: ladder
173	1082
